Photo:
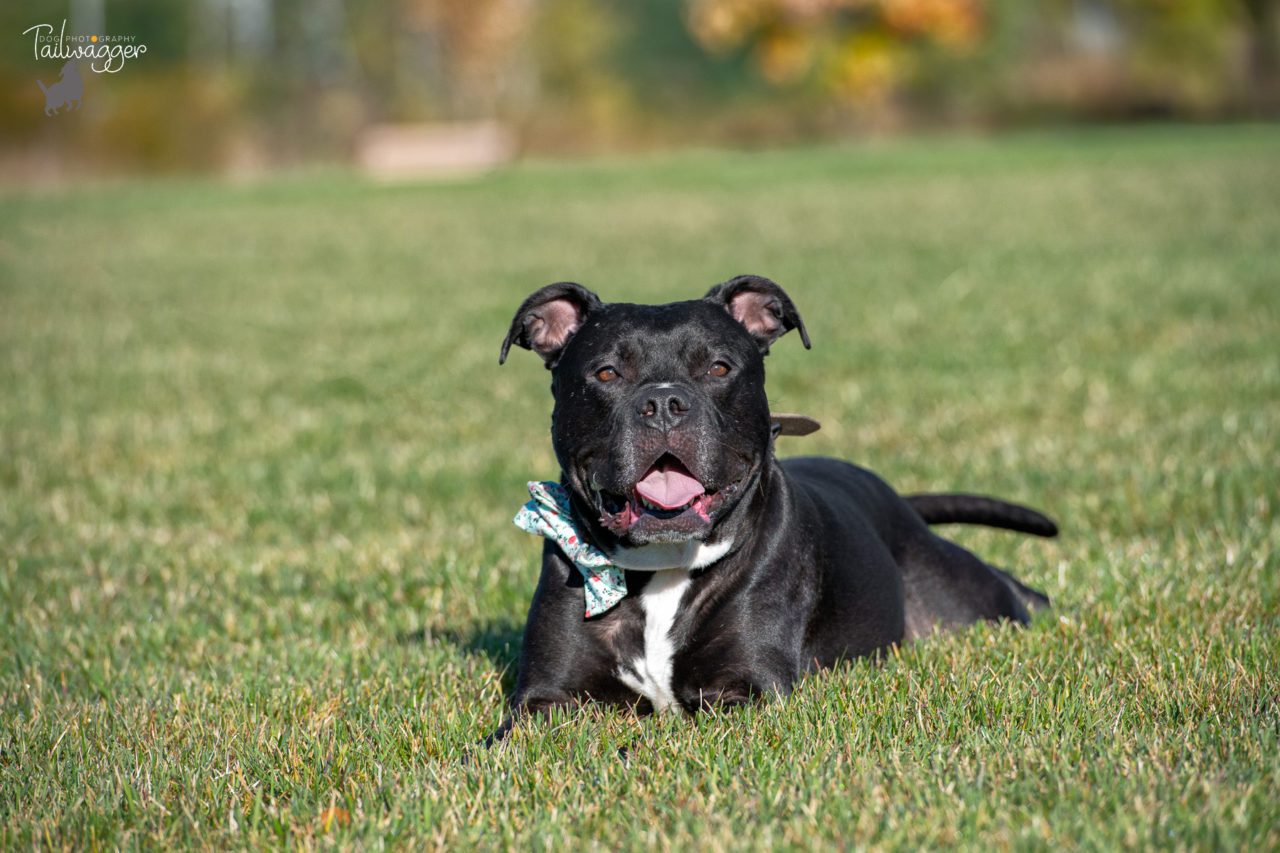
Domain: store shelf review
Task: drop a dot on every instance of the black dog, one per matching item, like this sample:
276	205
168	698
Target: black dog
741	572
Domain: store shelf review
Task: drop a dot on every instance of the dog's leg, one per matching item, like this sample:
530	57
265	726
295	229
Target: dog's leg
1034	599
728	698
521	712
497	735
946	585
733	691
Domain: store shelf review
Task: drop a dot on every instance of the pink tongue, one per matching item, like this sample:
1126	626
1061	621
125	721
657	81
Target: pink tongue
669	487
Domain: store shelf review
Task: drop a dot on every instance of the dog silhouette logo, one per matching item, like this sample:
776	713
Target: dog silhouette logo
68	89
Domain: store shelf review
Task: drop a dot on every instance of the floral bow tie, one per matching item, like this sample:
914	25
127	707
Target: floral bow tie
548	515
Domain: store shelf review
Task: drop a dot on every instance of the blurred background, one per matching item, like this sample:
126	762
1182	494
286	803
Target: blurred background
242	87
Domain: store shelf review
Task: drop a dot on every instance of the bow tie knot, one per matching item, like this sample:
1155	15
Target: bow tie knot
549	515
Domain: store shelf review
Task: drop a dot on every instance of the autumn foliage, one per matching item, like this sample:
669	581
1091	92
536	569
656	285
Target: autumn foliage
860	49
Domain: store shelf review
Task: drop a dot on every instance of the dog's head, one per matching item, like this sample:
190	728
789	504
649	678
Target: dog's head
661	424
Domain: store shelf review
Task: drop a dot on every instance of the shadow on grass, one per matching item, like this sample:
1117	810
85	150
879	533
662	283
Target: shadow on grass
499	641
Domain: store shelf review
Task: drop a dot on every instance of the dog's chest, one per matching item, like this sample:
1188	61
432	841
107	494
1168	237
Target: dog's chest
648	672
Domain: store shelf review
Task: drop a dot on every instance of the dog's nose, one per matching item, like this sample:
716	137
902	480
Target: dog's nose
664	407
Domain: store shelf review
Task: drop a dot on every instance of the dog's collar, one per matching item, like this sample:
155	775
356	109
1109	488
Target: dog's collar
548	514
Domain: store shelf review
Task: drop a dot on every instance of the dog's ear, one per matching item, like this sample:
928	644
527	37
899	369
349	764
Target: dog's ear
547	320
761	306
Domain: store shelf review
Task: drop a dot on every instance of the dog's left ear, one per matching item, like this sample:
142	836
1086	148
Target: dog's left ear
547	320
761	306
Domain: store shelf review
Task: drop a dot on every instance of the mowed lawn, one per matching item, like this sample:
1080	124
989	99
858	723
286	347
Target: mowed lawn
258	463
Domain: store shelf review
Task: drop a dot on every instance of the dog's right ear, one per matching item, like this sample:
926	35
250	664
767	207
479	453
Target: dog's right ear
547	320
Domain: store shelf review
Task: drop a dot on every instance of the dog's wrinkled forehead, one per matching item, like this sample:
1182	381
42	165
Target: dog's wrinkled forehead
659	337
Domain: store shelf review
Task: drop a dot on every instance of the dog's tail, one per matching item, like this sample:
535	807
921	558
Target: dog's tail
43	87
977	509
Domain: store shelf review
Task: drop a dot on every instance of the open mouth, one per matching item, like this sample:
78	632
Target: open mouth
666	493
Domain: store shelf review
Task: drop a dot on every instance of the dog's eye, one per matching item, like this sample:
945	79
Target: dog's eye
607	374
719	369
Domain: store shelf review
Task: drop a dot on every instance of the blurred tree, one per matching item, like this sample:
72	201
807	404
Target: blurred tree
861	50
477	47
1099	57
1264	54
1201	55
580	97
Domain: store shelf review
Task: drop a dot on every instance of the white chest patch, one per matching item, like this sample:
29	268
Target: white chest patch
660	556
650	673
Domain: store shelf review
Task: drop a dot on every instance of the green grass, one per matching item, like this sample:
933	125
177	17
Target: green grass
258	579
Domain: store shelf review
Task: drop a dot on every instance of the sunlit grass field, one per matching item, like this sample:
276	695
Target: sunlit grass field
258	463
